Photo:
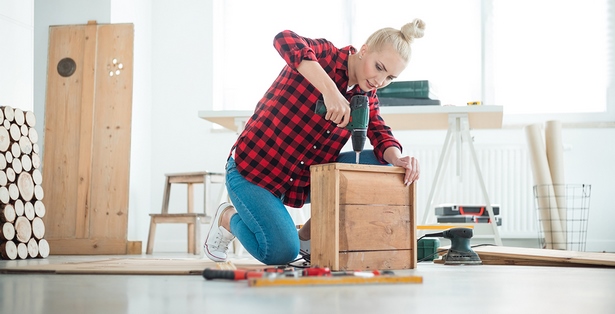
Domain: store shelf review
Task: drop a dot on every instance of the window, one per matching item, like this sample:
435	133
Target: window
549	56
530	56
248	62
450	53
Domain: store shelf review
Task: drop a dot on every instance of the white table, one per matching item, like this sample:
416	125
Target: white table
458	120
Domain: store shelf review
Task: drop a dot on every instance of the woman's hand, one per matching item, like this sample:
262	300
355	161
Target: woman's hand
338	109
411	165
393	156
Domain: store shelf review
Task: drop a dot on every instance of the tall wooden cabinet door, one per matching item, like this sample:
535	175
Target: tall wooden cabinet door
86	158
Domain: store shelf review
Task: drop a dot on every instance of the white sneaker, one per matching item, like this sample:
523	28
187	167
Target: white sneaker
218	238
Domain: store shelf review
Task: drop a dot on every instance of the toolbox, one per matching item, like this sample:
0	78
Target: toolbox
468	210
468	219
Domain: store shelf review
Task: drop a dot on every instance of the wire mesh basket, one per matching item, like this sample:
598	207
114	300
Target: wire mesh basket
563	211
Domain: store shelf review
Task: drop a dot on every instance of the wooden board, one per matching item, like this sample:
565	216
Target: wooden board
132	266
374	227
378	260
87	138
500	255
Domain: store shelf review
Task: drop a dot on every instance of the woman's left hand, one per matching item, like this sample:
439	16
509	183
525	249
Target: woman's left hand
411	165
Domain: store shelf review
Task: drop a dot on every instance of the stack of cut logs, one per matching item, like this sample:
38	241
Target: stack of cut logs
21	192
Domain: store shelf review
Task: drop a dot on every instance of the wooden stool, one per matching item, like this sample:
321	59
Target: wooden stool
192	219
363	217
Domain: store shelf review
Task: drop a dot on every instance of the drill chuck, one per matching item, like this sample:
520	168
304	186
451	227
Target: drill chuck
359	137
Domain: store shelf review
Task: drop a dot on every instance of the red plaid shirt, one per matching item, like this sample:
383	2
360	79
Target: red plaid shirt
284	136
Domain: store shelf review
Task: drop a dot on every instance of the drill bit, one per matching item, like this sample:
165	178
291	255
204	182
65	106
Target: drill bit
357	158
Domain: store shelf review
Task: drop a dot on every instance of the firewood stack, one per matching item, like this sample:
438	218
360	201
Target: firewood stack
21	208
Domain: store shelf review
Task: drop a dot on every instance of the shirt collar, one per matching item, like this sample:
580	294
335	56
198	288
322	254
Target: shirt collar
342	61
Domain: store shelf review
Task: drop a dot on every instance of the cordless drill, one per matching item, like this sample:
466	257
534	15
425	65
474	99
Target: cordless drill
359	118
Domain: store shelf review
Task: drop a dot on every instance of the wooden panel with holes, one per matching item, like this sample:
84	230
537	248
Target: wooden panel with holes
88	115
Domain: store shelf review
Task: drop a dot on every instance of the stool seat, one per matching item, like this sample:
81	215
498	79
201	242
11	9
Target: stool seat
190	217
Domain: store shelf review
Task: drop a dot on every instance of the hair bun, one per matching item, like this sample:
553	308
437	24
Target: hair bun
414	29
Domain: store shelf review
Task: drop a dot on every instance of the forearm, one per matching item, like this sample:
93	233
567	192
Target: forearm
391	154
338	109
317	76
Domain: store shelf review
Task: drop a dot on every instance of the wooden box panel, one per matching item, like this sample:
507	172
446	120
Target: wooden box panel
363	217
87	138
377	260
388	227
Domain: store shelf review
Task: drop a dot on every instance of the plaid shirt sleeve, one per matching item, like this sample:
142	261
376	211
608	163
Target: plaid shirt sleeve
284	136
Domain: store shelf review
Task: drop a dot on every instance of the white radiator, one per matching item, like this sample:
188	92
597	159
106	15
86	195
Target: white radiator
508	179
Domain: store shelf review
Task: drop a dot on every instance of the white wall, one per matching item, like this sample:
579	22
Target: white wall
16	30
173	81
182	68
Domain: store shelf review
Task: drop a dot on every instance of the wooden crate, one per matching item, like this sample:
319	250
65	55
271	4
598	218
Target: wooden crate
363	217
86	161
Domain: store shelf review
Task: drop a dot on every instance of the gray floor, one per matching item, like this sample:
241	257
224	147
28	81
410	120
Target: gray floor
446	289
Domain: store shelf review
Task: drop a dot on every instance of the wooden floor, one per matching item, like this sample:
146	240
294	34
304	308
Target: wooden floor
445	289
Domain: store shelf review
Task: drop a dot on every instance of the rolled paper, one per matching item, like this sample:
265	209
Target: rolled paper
545	198
555	157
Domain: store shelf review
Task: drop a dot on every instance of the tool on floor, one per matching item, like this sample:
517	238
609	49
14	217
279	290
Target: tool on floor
359	119
332	280
307	276
460	251
273	272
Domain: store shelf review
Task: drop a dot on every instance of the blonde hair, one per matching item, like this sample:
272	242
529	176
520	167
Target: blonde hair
400	39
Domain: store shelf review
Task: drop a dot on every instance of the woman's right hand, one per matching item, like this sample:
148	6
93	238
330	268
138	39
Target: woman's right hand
338	109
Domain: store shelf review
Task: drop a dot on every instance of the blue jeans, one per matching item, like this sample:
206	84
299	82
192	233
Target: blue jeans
262	224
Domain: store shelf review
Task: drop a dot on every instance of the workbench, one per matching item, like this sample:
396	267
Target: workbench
399	118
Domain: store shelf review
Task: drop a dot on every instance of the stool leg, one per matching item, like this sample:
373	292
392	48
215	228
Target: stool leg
190	197
191	237
197	236
165	196
191	226
150	237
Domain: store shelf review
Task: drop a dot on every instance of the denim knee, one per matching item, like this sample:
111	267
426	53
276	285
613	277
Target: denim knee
283	253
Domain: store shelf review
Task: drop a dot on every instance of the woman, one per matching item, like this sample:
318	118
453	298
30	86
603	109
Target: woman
268	166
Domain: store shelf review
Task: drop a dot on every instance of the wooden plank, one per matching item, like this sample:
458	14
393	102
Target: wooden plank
134	247
90	246
112	132
376	260
131	266
325	216
374	227
363	168
82	224
526	255
413	224
373	188
63	103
